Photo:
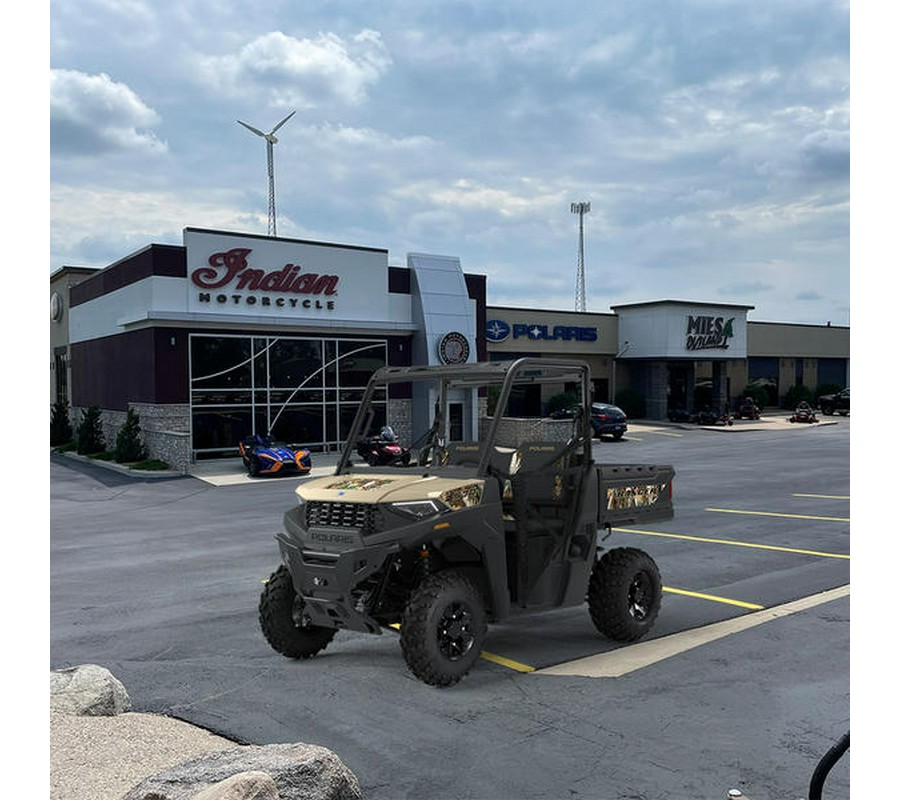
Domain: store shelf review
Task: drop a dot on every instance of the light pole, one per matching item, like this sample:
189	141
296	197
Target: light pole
612	382
581	209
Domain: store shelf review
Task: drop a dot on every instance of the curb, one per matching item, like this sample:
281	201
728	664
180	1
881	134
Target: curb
122	469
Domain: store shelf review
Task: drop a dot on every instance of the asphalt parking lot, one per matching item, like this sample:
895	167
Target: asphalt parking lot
743	683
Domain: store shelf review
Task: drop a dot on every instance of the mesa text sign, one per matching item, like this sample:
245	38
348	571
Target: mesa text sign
228	279
708	333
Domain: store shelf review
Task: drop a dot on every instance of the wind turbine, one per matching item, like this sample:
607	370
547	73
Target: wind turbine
271	141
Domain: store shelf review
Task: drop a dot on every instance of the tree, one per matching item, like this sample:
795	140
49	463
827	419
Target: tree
129	444
90	432
60	425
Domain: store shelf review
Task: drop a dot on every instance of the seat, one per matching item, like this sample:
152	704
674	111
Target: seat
462	454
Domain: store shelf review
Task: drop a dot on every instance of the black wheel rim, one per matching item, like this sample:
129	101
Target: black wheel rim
641	596
454	631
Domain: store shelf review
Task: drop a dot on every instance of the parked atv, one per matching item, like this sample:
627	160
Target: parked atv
707	416
804	413
681	415
747	409
383	449
488	529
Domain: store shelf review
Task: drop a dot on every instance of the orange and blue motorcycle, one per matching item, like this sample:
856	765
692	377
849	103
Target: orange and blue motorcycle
263	455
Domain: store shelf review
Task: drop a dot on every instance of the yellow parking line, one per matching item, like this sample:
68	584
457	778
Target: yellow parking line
823	496
733	543
714	598
492	657
775	514
506	662
615	663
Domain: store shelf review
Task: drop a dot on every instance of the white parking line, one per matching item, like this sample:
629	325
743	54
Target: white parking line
643	654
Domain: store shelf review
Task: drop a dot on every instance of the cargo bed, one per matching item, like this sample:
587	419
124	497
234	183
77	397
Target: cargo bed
632	493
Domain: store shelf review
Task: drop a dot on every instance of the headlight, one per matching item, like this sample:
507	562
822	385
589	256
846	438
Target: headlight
420	509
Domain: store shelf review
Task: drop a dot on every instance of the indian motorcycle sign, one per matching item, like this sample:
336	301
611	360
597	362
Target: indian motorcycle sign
233	278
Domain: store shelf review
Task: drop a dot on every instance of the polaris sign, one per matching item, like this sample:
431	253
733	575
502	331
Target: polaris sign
498	330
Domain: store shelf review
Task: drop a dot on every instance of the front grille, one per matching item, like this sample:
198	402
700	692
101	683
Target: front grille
363	517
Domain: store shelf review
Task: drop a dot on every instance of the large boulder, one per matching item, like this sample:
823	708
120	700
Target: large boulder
87	690
300	771
243	786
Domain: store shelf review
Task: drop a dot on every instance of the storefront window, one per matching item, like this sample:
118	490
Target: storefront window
303	391
763	373
220	362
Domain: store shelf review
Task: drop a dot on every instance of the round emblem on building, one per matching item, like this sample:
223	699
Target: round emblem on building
56	307
453	348
497	330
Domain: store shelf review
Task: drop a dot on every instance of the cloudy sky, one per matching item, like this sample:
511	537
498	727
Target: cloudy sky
712	139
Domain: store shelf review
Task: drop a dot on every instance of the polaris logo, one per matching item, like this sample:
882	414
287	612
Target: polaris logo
330	537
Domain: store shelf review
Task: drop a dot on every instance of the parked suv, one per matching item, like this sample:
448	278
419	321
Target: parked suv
608	420
840	402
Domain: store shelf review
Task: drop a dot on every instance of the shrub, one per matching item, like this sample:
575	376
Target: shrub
758	393
795	395
129	444
560	402
60	425
90	432
150	465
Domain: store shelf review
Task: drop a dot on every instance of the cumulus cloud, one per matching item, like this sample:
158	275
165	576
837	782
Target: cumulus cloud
95	115
96	225
301	73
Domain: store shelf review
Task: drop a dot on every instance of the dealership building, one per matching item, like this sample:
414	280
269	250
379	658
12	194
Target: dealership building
231	334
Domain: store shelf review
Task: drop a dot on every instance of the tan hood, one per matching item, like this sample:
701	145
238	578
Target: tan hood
381	488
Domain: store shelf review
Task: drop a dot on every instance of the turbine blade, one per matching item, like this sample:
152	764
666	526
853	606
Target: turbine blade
251	128
283	121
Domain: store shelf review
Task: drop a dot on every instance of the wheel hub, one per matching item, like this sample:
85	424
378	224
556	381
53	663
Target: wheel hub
640	597
455	637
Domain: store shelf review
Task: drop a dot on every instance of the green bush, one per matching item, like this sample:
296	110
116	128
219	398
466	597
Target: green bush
797	394
559	402
150	465
60	426
129	444
632	403
758	393
89	436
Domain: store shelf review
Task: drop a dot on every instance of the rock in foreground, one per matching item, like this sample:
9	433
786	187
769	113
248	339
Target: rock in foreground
300	771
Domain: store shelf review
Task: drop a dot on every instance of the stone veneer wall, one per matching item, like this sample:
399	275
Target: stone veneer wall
165	430
399	417
515	430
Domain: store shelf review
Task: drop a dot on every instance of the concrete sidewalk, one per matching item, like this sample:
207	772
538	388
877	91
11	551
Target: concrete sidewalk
231	471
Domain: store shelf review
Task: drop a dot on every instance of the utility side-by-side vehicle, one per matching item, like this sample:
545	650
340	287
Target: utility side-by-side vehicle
470	532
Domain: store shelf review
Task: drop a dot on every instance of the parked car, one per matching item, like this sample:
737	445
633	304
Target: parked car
262	455
608	420
840	402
